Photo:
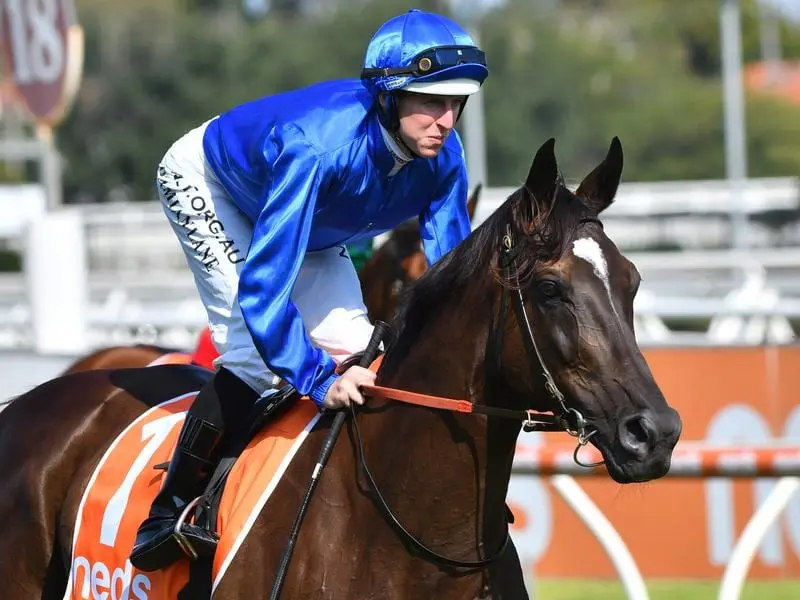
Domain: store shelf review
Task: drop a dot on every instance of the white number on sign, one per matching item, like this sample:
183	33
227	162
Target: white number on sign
36	43
156	432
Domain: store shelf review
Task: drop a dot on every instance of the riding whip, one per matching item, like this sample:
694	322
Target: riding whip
370	354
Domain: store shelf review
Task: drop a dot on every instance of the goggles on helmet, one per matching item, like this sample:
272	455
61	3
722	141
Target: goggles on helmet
432	61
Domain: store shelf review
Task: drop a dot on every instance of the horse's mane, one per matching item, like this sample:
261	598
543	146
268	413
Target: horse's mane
543	228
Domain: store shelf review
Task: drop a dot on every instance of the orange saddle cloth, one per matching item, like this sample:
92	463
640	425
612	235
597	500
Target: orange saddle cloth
124	483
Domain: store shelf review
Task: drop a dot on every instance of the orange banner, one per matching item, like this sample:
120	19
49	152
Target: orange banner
679	528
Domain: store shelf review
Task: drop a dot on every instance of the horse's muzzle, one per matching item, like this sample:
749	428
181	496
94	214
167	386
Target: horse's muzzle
641	449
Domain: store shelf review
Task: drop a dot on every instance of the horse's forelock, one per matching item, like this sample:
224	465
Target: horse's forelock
545	226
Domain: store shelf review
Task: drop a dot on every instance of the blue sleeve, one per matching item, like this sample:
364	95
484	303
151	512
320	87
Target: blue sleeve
280	239
444	224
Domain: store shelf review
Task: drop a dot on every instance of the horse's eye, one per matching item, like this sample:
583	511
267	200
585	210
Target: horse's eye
549	289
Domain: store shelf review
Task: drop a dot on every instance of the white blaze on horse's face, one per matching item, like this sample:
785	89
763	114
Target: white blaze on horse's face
590	251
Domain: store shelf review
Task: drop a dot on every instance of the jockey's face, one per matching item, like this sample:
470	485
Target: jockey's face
426	120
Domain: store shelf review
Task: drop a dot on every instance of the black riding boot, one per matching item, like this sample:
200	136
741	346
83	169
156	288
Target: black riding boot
158	544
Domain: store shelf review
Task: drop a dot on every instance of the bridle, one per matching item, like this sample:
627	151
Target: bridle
566	419
569	420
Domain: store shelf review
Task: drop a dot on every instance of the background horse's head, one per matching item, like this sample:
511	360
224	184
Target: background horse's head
397	263
578	291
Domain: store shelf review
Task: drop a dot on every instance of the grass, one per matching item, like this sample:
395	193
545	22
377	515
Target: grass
580	589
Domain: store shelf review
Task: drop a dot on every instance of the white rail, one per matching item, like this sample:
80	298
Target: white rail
693	460
739	564
622	559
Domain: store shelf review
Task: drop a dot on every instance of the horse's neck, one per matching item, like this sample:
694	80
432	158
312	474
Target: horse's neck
450	469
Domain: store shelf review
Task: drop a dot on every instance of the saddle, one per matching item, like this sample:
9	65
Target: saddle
201	516
266	410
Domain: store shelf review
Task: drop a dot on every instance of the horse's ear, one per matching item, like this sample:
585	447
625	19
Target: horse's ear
472	201
599	187
543	177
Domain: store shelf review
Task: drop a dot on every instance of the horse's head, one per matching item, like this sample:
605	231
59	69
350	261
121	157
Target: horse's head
577	290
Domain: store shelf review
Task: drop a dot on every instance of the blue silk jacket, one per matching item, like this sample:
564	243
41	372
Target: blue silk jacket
311	169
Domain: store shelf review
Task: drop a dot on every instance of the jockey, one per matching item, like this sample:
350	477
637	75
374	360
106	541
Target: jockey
264	199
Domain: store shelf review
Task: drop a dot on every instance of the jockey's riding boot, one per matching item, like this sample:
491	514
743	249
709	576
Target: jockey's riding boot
158	543
222	406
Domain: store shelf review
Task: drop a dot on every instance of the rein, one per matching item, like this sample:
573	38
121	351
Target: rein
566	419
531	420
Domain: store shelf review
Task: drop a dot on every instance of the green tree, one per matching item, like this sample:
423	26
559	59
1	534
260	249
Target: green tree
583	77
581	72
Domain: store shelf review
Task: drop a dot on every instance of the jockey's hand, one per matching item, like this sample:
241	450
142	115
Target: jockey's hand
345	389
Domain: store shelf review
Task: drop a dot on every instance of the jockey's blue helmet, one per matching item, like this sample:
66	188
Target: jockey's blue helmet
424	53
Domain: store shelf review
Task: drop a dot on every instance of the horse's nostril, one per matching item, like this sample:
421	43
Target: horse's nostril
637	434
637	431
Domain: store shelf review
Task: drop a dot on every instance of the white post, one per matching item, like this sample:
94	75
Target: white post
50	167
734	109
56	271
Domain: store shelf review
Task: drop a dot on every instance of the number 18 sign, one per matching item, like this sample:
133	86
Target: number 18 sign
43	51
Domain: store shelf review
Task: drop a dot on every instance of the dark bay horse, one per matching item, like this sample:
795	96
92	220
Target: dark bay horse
534	311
